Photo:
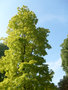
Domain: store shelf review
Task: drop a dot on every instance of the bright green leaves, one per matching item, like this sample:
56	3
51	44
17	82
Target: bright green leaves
24	18
23	62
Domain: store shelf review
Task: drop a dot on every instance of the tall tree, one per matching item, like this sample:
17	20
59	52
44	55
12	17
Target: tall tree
24	62
63	84
64	55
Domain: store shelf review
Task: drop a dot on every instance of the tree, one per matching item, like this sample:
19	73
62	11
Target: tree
63	84
64	55
2	50
24	63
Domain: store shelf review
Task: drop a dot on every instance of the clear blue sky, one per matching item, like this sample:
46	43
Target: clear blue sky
52	14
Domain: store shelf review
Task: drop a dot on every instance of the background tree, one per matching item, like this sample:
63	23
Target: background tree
64	55
2	50
63	84
24	62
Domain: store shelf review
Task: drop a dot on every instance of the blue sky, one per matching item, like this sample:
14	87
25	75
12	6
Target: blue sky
51	14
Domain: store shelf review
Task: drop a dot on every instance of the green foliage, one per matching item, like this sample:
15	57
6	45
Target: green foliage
51	86
2	50
24	62
63	84
64	55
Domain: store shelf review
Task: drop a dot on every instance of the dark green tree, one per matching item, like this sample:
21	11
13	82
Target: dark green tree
64	55
63	84
2	50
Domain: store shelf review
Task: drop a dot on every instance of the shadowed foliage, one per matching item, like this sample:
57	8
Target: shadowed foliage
2	50
63	84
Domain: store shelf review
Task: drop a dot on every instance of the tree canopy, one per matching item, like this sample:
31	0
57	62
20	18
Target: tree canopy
64	55
23	63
